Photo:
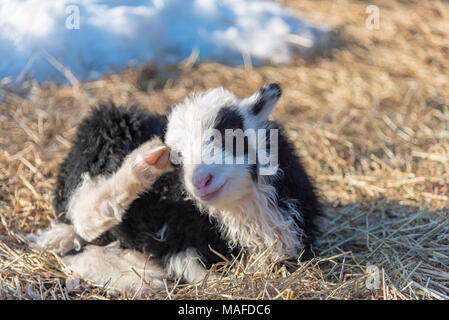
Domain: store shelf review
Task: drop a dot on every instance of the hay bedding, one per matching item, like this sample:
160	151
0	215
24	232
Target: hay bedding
371	121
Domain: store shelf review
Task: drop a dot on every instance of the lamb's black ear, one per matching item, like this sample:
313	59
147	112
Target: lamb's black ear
260	105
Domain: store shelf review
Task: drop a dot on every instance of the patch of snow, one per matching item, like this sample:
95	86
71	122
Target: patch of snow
119	33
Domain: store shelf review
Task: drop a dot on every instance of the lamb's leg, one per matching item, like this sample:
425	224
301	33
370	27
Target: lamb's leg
60	237
186	265
117	269
99	203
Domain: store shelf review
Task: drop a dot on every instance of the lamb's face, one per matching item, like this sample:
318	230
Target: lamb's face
206	136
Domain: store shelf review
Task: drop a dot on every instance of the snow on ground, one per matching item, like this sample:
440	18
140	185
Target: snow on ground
92	37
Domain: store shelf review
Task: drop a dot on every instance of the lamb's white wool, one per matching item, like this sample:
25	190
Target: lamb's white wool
60	237
186	265
258	224
117	269
99	203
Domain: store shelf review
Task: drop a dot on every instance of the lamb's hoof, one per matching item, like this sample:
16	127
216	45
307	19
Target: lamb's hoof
158	157
150	160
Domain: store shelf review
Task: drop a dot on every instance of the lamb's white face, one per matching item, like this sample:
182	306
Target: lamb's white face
219	169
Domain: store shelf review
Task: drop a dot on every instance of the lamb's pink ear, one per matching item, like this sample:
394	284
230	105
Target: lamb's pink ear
260	105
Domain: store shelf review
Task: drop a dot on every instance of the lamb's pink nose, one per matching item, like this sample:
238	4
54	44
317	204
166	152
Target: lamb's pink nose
202	183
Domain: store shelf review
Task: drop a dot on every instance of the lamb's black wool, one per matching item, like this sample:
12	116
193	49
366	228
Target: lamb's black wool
110	133
295	184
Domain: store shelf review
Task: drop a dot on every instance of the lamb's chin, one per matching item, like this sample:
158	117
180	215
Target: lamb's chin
213	200
225	202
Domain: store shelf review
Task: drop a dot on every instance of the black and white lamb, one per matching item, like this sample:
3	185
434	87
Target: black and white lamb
123	205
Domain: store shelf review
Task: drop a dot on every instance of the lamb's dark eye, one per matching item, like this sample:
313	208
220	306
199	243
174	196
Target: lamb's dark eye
210	140
176	159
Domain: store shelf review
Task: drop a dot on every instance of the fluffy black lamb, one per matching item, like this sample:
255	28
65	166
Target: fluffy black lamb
120	200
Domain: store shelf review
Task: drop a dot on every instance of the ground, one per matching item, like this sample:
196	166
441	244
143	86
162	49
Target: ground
370	119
